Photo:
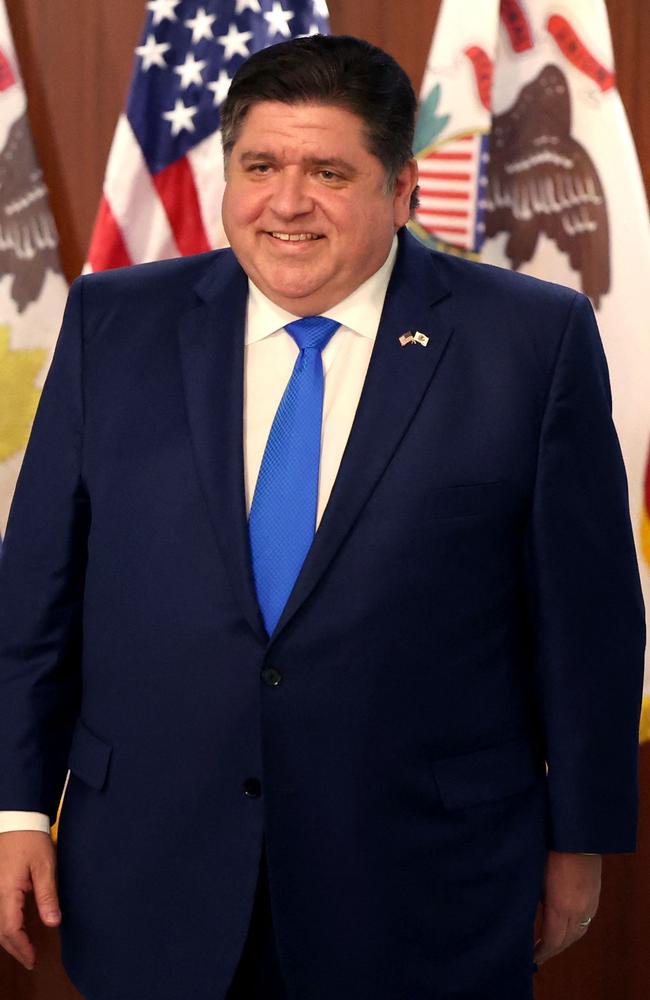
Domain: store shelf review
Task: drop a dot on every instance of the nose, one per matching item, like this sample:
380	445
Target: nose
290	195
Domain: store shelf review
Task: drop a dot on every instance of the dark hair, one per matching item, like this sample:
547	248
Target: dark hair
333	70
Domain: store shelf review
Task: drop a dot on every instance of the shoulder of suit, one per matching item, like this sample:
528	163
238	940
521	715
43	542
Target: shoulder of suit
483	278
155	276
517	316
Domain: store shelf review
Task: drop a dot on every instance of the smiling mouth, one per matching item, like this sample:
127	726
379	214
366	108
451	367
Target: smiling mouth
295	237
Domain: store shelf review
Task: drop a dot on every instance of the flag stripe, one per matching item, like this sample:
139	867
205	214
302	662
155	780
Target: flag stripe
447	212
176	189
450	156
444	193
452	229
441	175
107	247
206	160
134	200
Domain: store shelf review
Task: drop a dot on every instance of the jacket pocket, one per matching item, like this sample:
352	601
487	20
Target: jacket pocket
463	501
89	757
488	774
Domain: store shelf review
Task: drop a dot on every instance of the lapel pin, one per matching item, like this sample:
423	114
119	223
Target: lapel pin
414	338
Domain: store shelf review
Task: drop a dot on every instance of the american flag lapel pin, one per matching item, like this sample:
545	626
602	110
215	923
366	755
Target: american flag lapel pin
406	338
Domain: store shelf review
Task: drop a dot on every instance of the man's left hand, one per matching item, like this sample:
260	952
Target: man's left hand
571	893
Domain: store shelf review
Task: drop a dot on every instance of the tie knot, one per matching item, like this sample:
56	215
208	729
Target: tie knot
312	331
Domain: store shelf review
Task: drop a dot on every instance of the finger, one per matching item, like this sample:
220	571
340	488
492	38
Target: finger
47	900
553	935
13	937
576	930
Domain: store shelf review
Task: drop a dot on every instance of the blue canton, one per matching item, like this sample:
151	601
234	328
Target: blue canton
188	54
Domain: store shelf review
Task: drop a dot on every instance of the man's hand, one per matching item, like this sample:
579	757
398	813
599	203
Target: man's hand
571	893
27	862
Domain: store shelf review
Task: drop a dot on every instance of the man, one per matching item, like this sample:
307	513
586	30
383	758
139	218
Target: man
424	722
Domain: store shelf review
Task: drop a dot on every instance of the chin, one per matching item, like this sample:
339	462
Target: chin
290	291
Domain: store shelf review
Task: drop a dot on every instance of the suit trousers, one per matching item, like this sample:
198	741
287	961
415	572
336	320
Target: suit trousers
258	975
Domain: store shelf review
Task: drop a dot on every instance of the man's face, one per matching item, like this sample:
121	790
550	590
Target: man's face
307	208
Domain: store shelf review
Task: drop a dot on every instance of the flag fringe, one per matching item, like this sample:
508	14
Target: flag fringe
644	728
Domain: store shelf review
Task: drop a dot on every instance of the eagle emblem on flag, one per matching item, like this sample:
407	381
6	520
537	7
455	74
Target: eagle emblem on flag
28	237
541	180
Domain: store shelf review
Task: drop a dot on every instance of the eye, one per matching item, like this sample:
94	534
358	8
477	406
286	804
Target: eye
259	168
329	175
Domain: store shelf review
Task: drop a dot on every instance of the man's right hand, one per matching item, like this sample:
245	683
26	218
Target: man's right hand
27	863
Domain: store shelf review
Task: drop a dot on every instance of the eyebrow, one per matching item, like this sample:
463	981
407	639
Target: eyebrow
337	162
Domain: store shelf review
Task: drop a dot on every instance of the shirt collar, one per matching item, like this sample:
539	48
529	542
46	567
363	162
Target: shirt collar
360	311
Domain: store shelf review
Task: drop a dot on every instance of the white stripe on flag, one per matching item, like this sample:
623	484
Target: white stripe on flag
206	162
134	200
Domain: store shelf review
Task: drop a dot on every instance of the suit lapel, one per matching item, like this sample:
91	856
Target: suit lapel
398	376
212	356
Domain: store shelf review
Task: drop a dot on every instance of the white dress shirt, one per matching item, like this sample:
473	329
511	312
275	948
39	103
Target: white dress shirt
269	356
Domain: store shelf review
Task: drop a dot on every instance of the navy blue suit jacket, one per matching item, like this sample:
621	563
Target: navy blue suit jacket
468	617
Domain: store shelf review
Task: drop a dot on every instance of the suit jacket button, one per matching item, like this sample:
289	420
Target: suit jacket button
272	677
252	788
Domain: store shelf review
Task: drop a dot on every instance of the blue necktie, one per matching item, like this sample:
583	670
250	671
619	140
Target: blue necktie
282	519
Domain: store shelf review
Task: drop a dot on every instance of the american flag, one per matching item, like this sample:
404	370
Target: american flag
164	180
453	177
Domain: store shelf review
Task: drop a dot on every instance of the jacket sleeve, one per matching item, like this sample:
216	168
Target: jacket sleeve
42	570
587	606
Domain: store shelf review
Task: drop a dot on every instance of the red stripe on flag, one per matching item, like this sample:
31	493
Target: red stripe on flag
7	76
175	186
436	193
441	175
107	247
450	229
449	156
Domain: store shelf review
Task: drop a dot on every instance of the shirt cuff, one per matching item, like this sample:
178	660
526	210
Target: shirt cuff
12	821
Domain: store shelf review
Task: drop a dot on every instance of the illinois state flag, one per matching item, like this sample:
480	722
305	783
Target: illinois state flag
32	287
527	161
164	180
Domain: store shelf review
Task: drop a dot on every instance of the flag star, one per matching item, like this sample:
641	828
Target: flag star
201	25
163	10
220	87
181	117
152	53
234	42
278	19
313	30
190	71
242	5
320	8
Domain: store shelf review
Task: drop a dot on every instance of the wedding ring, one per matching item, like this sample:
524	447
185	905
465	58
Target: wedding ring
585	922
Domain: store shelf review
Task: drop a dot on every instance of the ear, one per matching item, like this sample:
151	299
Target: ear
405	184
